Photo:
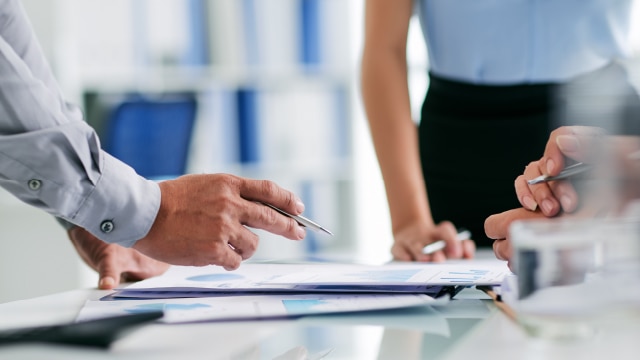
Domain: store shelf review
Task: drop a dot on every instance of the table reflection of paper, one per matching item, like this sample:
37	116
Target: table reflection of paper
253	307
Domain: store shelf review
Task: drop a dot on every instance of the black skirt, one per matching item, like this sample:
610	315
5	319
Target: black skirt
474	141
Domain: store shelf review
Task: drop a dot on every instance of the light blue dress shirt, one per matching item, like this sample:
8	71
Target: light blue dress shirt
50	158
497	42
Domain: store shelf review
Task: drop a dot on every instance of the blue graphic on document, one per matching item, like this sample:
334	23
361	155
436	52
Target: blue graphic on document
163	306
464	276
215	277
304	306
385	275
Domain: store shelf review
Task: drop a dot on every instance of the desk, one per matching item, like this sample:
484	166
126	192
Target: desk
468	328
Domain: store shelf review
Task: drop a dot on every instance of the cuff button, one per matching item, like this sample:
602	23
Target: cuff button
34	184
107	226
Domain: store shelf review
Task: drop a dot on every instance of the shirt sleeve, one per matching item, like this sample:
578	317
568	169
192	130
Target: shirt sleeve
50	158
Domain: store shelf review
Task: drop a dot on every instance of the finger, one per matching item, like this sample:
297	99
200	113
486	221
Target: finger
553	160
542	193
580	143
417	253
109	273
260	216
502	249
400	253
566	194
245	243
575	142
524	194
224	255
447	231
497	226
269	192
438	256
468	249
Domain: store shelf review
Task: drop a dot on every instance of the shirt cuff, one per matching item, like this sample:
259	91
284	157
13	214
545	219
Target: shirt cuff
123	205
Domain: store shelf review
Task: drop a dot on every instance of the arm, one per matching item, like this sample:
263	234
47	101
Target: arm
52	159
49	157
386	99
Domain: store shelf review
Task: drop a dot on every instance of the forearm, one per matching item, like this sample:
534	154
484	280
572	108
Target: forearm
53	169
386	99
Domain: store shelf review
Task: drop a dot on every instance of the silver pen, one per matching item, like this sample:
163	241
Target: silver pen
567	172
301	220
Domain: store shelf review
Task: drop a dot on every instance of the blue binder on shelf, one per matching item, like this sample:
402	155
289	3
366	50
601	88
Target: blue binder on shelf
248	126
152	135
310	23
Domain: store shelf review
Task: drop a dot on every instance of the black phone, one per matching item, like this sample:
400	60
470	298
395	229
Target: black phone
98	333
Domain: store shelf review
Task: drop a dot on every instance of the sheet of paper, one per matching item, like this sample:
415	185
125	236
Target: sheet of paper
323	277
253	307
462	273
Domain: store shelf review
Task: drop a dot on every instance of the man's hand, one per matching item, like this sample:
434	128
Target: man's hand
409	241
113	263
203	219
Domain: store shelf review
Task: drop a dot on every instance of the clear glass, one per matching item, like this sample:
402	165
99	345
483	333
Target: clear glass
572	274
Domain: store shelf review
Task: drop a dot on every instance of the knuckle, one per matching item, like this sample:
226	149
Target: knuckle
268	186
292	226
269	216
252	244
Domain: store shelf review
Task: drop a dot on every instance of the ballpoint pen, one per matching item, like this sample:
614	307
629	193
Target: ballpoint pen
569	171
301	220
463	234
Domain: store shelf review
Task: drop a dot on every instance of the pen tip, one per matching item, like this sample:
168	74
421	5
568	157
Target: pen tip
327	231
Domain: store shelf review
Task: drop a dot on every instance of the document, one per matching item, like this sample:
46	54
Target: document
397	278
254	307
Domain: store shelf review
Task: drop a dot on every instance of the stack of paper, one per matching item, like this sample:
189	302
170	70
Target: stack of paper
255	291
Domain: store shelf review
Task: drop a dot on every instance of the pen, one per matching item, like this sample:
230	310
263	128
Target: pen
569	171
301	220
440	244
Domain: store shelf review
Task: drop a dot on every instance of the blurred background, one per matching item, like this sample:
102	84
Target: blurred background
262	89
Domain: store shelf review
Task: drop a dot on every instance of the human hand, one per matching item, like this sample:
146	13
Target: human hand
410	240
575	142
203	219
497	227
114	263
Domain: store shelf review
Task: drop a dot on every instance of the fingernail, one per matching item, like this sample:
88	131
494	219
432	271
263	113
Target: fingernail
106	283
547	206
550	166
529	203
566	202
568	143
299	206
301	232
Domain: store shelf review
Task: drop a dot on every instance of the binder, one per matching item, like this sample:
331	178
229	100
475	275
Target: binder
152	135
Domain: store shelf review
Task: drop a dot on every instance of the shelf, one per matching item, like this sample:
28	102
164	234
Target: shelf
176	79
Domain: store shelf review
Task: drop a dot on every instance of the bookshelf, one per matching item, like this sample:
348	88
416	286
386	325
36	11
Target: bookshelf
273	80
